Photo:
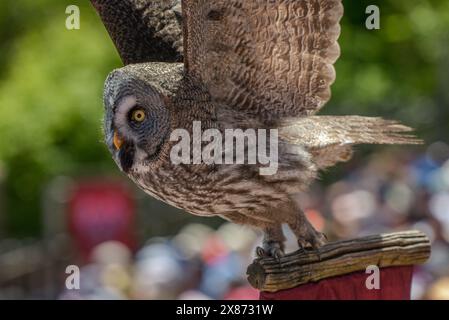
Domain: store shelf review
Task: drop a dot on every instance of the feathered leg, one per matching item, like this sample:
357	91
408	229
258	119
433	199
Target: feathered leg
308	237
273	242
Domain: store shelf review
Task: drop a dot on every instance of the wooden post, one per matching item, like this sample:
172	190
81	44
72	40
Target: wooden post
339	258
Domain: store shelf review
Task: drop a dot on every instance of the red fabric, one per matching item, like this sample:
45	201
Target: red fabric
243	293
395	284
99	211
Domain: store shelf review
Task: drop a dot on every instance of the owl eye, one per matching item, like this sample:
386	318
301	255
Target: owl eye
138	115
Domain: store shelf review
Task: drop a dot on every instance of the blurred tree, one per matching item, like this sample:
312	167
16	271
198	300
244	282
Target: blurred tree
399	70
50	100
51	83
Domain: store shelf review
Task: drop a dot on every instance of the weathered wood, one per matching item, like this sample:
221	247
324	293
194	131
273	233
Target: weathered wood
339	258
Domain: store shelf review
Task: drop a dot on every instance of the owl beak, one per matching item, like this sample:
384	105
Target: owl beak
118	141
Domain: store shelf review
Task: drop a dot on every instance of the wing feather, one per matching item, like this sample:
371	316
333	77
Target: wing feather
143	30
272	58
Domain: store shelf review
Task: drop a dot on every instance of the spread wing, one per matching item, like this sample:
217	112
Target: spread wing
270	58
143	30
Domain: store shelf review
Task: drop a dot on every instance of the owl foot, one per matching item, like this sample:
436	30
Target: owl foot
313	242
271	250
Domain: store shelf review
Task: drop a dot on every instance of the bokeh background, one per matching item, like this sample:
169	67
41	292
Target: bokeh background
63	201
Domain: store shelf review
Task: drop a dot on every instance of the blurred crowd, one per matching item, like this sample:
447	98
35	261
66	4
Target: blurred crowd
391	191
197	263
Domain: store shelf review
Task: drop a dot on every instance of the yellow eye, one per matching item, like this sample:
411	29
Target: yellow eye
138	115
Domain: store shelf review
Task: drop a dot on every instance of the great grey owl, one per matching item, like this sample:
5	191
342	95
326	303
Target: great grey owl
247	64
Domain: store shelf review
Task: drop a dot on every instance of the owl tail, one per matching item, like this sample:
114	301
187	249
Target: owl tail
324	131
330	139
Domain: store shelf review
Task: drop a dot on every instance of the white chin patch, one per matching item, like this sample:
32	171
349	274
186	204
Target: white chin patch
139	161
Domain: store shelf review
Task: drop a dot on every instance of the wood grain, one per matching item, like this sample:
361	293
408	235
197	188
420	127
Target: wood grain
339	258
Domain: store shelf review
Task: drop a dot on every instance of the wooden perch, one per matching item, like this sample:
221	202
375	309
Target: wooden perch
339	258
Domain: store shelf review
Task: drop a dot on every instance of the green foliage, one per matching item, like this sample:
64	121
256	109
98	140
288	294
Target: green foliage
398	71
50	102
51	82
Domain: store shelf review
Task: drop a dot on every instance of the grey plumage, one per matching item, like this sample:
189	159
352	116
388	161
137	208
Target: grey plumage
143	30
247	64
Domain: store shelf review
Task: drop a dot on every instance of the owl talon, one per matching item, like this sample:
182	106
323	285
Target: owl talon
260	252
277	253
304	245
319	240
272	250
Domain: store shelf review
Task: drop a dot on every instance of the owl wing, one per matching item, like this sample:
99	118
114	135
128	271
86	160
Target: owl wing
143	30
268	58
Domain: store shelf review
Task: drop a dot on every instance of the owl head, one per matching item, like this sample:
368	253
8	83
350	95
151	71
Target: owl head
137	118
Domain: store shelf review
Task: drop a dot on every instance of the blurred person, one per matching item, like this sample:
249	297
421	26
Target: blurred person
158	272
